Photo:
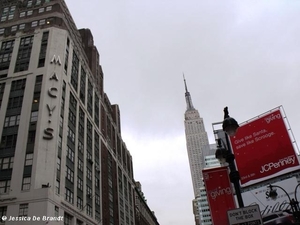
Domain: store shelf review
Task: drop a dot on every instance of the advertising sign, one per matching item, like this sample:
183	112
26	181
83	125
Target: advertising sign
263	149
278	210
219	193
246	216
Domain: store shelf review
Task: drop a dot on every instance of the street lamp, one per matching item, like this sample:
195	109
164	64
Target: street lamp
230	127
272	193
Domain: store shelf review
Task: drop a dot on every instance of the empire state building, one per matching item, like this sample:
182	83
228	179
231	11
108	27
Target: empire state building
196	142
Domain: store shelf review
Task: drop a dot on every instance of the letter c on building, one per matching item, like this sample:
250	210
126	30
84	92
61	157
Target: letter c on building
50	92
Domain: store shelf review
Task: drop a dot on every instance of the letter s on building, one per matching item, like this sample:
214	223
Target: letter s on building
48	133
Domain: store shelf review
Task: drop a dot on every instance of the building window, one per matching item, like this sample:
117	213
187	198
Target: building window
22	14
70	174
81	130
89	210
61	124
11	12
29	159
42	22
4	14
90	98
23	210
68	219
34	116
89	127
80	184
74	71
22	26
29	13
96	110
44	43
3	210
67	56
79	222
15	102
8	13
69	196
11	121
73	101
14	28
97	182
88	173
57	187
48	8
9	141
31	137
79	203
38	2
34	23
88	191
72	118
41	10
29	3
4	186
17	85
26	183
56	211
97	215
82	85
80	165
80	147
24	54
71	135
97	199
5	54
70	154
2	30
7	163
58	164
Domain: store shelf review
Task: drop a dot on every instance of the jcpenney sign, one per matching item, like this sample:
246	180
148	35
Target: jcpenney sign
264	143
290	160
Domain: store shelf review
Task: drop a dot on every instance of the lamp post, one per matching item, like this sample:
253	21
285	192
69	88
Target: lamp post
230	127
272	193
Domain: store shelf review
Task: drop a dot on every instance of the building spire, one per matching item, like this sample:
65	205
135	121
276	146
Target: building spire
188	97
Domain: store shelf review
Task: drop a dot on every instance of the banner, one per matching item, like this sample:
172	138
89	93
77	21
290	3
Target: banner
263	149
219	193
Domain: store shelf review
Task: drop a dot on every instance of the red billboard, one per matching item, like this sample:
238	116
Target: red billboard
263	149
219	193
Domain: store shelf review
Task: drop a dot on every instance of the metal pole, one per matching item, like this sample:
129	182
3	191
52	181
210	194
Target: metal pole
297	212
234	174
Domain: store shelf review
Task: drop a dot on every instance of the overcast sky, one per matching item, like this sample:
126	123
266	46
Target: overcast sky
240	54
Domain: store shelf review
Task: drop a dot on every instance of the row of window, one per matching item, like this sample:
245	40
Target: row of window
22	26
41	10
9	12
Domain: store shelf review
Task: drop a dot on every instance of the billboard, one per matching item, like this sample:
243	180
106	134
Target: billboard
270	208
219	193
263	149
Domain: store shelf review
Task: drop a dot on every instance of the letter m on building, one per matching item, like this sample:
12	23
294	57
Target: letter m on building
56	60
